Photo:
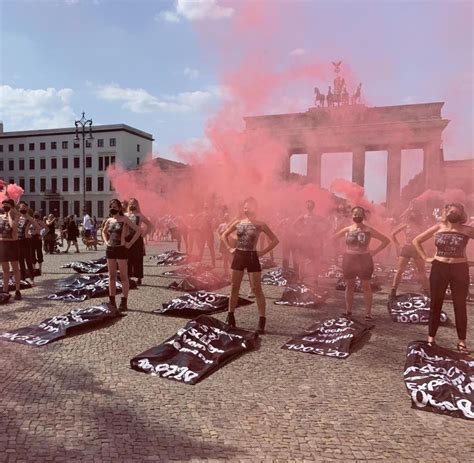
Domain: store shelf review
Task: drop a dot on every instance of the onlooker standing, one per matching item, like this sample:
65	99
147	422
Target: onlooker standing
72	233
50	237
25	221
88	226
36	243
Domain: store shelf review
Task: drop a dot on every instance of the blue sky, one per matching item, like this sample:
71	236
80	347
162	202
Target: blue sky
147	64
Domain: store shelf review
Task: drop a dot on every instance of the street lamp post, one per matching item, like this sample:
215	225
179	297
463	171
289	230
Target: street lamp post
83	125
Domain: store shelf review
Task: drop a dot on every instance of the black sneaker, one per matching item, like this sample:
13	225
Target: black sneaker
17	296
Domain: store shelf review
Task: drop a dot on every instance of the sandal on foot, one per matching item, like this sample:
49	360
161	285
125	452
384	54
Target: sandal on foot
430	343
462	348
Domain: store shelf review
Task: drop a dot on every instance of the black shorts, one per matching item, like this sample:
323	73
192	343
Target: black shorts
409	252
9	251
357	265
116	252
246	260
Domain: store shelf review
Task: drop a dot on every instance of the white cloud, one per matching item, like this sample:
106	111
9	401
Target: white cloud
27	109
298	52
191	73
196	10
71	2
140	101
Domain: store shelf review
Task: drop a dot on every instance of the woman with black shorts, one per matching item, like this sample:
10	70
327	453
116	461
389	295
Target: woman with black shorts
448	267
245	257
357	260
114	231
9	249
412	227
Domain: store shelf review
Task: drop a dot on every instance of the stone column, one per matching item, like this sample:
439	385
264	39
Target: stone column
358	165
286	167
394	162
433	165
314	166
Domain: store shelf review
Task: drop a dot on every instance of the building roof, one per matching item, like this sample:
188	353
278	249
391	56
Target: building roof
72	131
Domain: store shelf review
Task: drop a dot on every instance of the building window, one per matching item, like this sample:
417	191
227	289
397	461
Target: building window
54	163
88	183
111	187
21	164
101	163
22	183
1	165
32	163
65	208
106	162
54	145
77	208
65	184
33	205
138	161
88	162
21	147
43	207
89	207
100	142
138	148
11	164
42	185
43	164
64	145
76	145
100	183
77	162
11	181
112	159
42	146
88	144
32	185
77	184
112	142
31	146
100	208
65	163
1	148
54	184
10	148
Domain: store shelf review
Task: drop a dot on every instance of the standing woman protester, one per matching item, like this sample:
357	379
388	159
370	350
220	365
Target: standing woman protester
25	244
9	250
114	231
72	233
357	260
412	227
50	236
137	250
448	267
245	256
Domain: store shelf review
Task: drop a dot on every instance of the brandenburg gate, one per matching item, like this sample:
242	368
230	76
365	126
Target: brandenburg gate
347	126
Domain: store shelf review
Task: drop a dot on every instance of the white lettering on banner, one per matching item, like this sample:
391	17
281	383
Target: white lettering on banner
316	350
169	371
465	406
28	339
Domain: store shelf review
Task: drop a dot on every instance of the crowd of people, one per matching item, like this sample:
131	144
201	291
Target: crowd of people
307	241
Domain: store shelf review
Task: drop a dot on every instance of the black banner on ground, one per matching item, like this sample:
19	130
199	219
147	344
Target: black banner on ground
189	270
60	326
24	284
333	337
279	277
374	284
79	288
90	266
195	351
206	281
439	380
411	308
170	258
197	303
300	295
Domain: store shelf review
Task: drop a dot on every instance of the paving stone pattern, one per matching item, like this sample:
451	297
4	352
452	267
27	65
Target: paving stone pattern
78	400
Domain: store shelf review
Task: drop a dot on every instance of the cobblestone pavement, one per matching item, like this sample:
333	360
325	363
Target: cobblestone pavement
78	400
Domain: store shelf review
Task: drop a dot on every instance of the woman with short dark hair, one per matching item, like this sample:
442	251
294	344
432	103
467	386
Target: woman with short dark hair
448	267
114	231
357	260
